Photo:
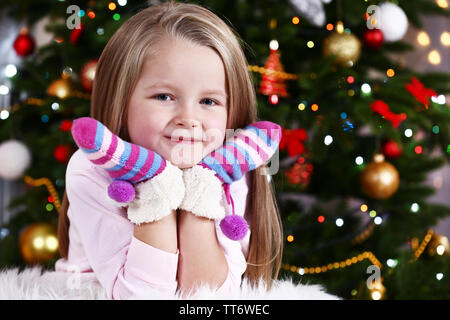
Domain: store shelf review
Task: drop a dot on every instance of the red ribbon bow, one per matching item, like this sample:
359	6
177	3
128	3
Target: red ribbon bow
418	90
293	141
382	109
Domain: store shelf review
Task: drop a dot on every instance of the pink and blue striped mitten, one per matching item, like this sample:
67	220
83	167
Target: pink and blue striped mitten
125	162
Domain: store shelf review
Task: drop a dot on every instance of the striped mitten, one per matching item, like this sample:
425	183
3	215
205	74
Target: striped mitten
159	184
246	150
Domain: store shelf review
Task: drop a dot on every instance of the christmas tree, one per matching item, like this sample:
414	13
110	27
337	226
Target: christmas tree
361	132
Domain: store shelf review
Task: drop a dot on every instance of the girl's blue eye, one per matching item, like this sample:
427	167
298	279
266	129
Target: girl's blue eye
210	100
161	95
166	95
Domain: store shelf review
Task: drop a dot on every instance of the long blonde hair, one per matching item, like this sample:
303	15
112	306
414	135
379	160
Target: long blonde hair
116	75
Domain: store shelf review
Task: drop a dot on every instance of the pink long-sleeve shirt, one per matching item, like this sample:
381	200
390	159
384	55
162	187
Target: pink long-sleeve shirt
102	244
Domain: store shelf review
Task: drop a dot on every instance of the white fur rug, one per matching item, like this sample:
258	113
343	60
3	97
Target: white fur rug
35	284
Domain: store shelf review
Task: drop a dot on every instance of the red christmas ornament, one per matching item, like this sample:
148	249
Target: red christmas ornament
24	44
76	33
87	74
61	153
65	126
418	90
271	83
293	141
373	38
391	149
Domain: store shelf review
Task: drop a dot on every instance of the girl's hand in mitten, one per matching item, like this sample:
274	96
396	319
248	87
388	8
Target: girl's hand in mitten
159	184
246	150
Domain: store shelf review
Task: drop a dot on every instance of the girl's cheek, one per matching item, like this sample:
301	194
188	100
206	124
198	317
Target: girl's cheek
145	136
215	137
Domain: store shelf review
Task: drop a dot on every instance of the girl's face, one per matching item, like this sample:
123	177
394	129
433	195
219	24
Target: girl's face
180	93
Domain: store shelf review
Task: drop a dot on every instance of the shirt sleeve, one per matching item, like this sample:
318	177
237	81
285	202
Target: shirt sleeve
124	265
235	251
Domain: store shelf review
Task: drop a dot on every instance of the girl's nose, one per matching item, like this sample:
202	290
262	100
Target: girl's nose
187	122
186	118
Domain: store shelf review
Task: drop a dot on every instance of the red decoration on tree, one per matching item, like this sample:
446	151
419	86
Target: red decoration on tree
24	44
373	38
87	74
65	126
382	109
61	153
272	84
76	33
418	90
300	174
319	120
293	141
391	149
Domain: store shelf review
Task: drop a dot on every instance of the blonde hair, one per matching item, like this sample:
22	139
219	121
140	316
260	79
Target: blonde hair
116	75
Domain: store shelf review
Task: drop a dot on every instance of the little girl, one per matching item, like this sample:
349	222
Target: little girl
153	79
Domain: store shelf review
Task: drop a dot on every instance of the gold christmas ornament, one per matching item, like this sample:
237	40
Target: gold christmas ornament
418	249
345	46
61	88
380	179
38	243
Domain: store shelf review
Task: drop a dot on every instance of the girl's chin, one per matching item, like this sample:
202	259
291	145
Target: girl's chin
184	162
186	157
185	165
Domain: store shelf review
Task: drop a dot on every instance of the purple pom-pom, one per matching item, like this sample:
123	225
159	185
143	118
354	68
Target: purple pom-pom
121	191
234	227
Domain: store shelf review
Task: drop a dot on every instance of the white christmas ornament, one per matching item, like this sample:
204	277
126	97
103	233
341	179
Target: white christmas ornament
41	35
393	21
15	158
312	10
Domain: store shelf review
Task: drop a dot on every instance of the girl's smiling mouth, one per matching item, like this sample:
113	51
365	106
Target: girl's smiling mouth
183	140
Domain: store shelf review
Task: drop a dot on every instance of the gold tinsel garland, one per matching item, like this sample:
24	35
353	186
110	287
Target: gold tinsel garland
282	75
40	102
364	234
348	262
418	252
50	188
335	265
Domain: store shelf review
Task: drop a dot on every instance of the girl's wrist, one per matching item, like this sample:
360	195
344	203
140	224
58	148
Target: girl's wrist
161	234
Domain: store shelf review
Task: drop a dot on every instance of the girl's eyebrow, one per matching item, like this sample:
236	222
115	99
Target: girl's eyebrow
168	85
160	84
218	92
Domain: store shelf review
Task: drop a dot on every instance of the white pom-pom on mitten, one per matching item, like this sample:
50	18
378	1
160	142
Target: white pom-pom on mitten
156	198
203	193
